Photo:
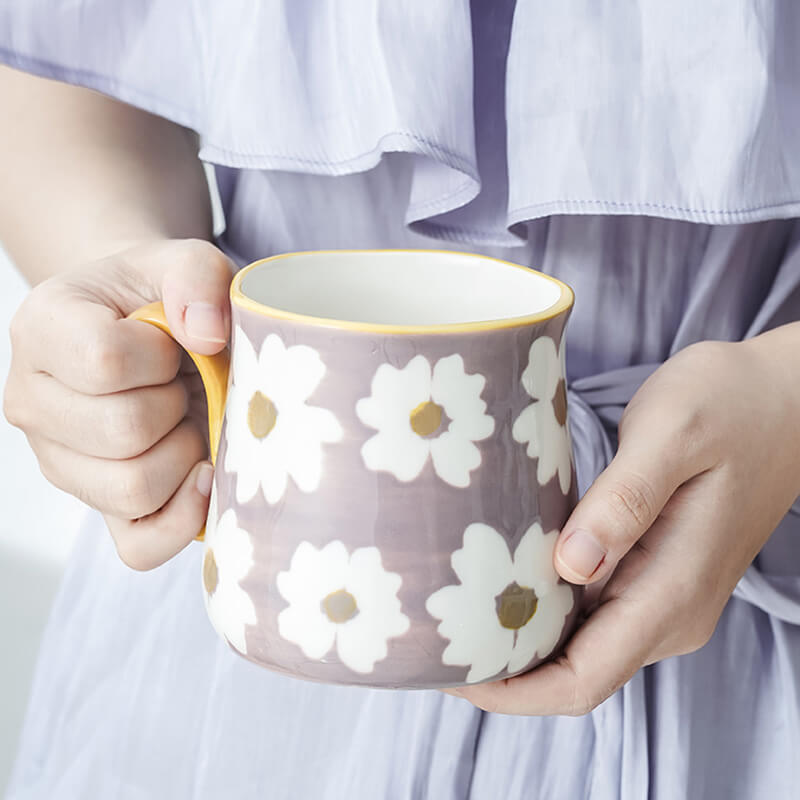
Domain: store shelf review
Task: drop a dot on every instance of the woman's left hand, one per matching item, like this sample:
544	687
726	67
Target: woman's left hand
708	464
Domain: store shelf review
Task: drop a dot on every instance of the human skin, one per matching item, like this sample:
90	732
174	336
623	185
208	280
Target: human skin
105	208
708	464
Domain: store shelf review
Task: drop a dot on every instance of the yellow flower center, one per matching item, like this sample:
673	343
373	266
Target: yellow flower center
210	574
261	415
340	606
560	403
426	418
515	606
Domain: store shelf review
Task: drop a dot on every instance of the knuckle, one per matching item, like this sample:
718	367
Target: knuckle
132	554
47	468
198	247
13	409
634	498
105	366
695	431
84	494
17	327
699	638
489	703
55	471
128	426
193	251
134	494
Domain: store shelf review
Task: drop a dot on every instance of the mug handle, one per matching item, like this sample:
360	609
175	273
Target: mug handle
213	372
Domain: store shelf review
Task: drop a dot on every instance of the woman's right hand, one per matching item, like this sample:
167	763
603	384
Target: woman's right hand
104	400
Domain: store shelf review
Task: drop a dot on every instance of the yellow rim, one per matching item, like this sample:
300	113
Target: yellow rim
564	302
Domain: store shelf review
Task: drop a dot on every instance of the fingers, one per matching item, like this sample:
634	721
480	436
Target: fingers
195	293
115	426
659	451
128	489
83	345
617	509
600	658
148	542
76	331
663	600
97	394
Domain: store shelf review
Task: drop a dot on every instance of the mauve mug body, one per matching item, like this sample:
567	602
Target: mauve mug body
393	469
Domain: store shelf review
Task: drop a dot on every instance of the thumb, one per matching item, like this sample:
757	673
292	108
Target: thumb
194	291
615	512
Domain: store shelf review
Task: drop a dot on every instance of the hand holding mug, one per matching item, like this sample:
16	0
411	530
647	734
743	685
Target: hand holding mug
706	468
103	400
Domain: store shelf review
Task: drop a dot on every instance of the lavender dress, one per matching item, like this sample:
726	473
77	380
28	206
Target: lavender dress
646	153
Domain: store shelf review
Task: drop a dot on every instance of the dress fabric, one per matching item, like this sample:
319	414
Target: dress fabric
651	165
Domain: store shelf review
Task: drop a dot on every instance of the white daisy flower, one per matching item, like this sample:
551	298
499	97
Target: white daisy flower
505	611
272	434
420	412
349	600
227	560
543	424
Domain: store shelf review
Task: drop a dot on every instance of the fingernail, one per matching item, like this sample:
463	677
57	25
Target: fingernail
581	553
205	477
204	321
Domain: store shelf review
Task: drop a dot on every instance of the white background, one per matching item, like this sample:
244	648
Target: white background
38	525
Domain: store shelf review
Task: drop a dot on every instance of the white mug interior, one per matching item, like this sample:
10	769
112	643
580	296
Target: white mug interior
402	287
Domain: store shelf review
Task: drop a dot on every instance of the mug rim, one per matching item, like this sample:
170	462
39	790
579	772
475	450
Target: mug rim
564	303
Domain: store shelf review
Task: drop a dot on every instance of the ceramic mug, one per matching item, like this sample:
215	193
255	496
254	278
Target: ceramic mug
393	465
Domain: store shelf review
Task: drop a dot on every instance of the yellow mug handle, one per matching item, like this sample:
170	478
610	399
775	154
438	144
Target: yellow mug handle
213	372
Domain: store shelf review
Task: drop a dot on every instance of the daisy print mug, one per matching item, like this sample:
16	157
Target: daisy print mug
393	465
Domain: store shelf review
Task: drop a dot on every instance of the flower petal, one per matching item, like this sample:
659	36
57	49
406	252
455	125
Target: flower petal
526	429
296	374
242	454
395	393
483	564
244	362
496	648
298	445
230	610
233	549
541	634
564	465
476	638
212	518
475	428
454	458
358	645
460	396
402	453
540	378
547	441
533	560
310	630
313	574
273	479
245	612
320	424
375	591
553	444
247	478
273	369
